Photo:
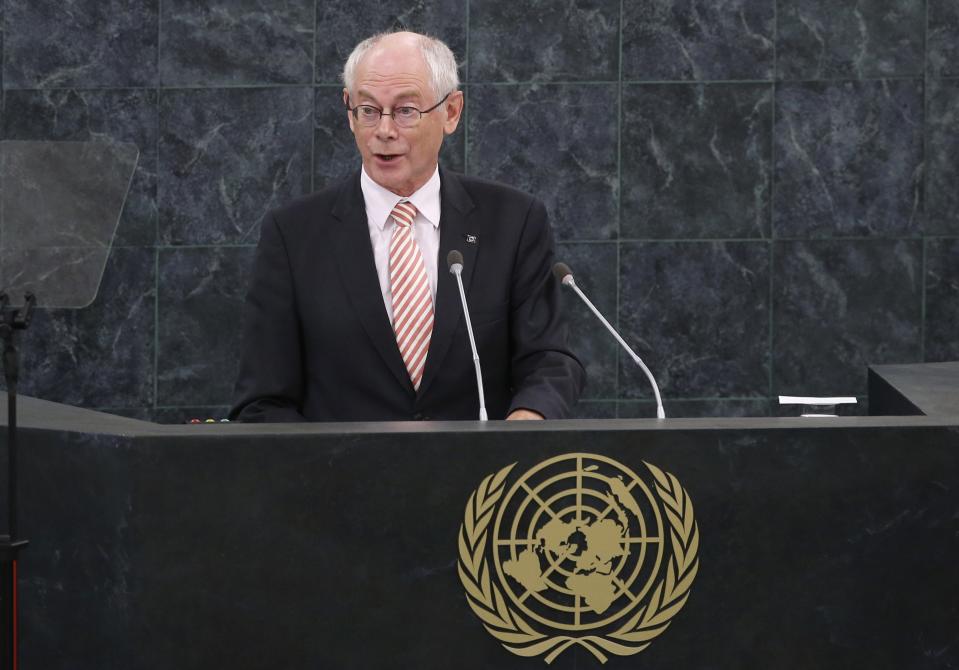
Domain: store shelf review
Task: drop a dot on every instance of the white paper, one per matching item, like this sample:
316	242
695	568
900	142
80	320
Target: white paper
812	400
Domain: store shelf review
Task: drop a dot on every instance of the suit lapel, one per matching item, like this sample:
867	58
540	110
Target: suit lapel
354	259
455	225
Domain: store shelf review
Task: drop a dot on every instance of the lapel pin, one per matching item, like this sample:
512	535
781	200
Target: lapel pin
470	239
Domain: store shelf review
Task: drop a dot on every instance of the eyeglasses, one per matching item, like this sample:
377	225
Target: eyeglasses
405	116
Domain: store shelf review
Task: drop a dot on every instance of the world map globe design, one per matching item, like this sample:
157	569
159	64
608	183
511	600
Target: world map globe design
578	542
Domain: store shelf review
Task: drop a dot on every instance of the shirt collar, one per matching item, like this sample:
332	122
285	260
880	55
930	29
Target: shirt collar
380	201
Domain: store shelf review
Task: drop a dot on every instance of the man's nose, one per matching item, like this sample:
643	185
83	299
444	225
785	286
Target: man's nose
386	128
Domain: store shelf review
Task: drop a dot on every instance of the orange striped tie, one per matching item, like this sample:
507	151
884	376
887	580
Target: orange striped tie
410	290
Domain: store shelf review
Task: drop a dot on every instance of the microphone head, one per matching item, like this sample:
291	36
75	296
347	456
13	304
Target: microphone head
562	273
454	261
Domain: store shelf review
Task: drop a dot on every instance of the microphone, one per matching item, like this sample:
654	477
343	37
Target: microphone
565	277
454	259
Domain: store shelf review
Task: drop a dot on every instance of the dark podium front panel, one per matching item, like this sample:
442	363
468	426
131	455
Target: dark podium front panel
818	544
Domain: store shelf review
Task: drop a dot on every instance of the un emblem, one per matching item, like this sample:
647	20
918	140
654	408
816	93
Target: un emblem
579	551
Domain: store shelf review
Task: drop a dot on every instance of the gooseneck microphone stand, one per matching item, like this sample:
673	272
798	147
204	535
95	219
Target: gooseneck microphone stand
12	320
454	259
565	277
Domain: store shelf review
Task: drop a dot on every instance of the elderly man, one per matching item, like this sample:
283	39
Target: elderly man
352	314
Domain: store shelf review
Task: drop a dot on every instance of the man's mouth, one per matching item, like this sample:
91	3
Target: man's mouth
387	157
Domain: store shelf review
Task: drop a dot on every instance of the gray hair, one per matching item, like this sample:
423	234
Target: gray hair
444	76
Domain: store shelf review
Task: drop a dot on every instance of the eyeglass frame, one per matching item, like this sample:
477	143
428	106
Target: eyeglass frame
392	112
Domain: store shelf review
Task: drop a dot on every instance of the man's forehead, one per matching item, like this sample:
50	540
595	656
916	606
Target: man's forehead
392	79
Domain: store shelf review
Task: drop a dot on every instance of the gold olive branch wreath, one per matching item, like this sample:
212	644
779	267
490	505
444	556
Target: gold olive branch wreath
517	636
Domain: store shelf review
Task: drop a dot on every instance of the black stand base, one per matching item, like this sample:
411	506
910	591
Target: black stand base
9	652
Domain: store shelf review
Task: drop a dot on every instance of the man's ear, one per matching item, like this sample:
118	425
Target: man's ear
454	111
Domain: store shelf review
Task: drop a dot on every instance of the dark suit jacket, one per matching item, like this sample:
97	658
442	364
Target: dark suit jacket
318	345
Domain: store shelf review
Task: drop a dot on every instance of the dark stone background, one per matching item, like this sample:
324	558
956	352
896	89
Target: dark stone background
762	194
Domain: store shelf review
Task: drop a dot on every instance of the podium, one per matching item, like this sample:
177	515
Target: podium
825	543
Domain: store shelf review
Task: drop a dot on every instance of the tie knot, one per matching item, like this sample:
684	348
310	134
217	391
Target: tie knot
403	214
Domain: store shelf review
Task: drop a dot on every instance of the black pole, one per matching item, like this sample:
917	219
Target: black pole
11	320
11	369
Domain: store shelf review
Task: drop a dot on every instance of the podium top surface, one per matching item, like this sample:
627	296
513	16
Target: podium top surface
44	415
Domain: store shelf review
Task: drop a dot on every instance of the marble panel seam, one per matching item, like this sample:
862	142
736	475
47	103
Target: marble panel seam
924	269
617	353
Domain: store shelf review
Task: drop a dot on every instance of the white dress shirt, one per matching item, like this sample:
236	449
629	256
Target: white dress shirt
426	229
